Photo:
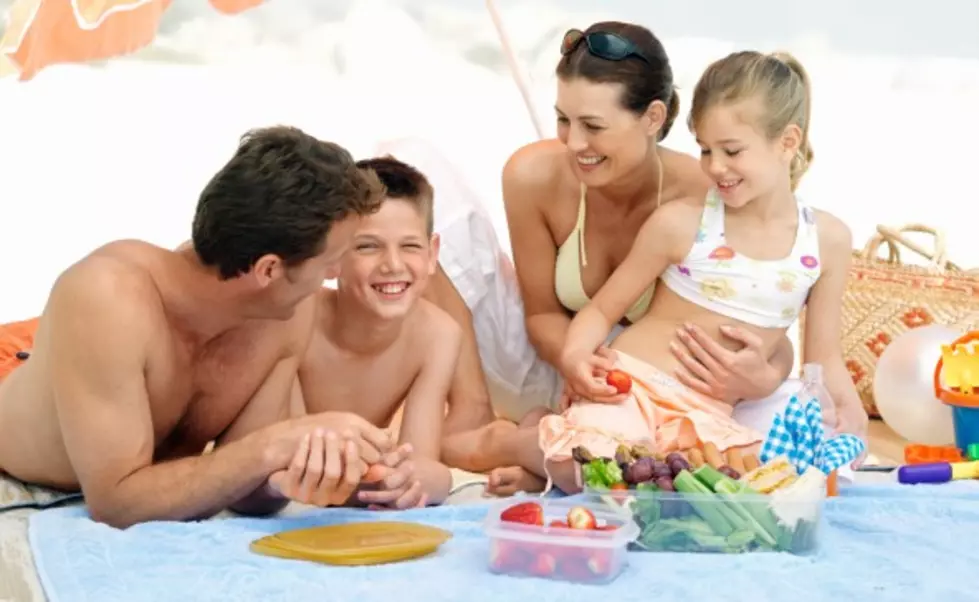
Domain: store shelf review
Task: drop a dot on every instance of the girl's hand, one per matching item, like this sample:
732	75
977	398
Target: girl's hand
584	376
712	370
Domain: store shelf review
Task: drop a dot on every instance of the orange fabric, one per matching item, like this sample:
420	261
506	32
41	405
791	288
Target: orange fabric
14	337
42	33
659	409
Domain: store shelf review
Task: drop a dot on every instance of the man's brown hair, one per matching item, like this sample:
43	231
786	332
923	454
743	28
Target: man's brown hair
279	194
404	182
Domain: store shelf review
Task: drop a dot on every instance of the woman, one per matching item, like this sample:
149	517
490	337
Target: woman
574	206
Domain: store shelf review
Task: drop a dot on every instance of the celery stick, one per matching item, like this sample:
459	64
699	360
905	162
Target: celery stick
757	516
711	512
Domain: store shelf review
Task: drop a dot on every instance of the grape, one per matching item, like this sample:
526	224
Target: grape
662	469
639	471
730	472
665	483
673	457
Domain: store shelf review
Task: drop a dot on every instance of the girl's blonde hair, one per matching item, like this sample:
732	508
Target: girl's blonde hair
781	83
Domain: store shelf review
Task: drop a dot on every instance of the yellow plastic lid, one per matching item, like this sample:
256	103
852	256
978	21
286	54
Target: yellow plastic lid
354	544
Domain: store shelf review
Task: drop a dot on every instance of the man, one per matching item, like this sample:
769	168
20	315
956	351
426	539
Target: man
144	355
379	348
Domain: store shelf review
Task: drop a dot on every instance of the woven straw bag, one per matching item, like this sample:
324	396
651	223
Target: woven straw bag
885	298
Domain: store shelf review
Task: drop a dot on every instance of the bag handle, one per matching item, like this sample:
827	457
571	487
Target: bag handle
938	257
870	250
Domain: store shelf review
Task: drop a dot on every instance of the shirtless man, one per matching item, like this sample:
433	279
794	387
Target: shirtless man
379	346
144	355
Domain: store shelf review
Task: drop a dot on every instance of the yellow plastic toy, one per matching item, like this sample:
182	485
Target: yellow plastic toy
961	367
354	544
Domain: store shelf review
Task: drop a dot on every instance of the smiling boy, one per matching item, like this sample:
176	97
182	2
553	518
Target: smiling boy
378	346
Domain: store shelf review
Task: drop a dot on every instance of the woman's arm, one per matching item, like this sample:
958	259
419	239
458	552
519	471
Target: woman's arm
822	339
528	180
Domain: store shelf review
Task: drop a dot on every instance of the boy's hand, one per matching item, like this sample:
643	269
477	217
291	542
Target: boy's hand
324	471
396	486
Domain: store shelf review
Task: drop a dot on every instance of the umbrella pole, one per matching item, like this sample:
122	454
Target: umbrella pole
515	70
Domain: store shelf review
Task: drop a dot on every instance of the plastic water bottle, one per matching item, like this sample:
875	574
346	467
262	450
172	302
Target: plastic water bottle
812	386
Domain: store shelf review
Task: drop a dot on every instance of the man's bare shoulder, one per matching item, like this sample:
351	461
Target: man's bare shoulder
114	279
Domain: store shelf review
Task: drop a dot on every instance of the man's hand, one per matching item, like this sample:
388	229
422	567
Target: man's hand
720	373
396	485
324	471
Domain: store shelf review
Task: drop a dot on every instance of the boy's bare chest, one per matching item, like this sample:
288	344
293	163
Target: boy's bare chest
373	387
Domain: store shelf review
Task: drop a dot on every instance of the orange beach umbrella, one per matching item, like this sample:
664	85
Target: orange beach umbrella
41	33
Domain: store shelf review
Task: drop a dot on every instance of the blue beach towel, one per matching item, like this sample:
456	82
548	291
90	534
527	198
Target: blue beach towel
886	542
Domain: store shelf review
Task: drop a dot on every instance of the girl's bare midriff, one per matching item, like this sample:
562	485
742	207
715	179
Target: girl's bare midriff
649	338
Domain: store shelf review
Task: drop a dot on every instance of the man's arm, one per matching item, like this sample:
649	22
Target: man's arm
424	409
278	399
100	336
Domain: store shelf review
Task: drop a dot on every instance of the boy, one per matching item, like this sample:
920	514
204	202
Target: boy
378	346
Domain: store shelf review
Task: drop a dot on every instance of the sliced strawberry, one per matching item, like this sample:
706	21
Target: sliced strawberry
600	562
620	380
581	518
559	524
527	513
543	565
607	528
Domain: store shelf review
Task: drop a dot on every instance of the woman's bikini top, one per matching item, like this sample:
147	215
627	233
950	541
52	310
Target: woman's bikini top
571	258
765	293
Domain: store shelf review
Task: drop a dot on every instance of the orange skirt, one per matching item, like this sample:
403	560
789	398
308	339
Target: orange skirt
659	411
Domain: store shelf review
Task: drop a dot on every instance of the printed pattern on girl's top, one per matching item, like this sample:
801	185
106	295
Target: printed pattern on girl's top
765	293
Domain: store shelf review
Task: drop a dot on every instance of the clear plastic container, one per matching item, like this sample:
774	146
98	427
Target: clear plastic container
551	552
812	386
720	523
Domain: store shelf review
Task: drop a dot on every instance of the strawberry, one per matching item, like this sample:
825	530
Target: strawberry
607	528
544	565
620	380
508	556
559	524
527	513
499	557
576	569
581	518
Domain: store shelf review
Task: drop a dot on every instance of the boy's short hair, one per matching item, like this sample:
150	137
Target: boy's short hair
404	182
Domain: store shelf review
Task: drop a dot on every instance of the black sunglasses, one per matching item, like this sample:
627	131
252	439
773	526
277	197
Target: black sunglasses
604	45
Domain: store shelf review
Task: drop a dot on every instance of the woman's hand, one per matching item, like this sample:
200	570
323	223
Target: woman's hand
584	376
853	419
722	374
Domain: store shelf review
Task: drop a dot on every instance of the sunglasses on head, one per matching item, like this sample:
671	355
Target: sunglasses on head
604	45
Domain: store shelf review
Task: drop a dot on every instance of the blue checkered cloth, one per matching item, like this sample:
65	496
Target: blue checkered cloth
798	434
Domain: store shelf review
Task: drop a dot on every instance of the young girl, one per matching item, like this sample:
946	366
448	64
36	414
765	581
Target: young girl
751	255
